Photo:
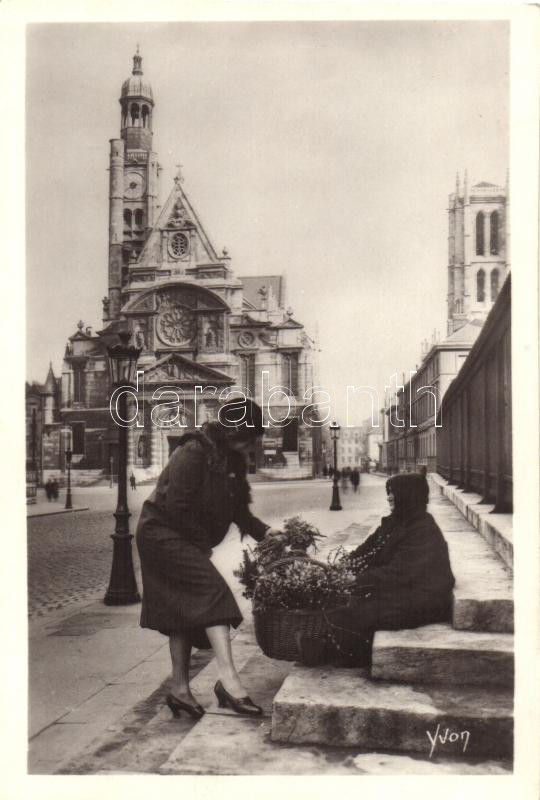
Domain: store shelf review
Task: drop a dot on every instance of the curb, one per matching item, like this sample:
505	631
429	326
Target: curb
57	511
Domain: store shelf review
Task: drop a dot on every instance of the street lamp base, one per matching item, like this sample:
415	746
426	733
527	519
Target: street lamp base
336	508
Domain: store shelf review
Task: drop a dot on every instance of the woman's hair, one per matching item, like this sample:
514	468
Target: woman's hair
411	493
241	420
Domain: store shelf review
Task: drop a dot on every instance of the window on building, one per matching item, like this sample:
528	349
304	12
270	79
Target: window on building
480	247
134	113
78	384
480	286
247	372
127	218
139	217
290	372
77	438
494	284
494	233
145	113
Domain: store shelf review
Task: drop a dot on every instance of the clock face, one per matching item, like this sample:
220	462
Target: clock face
134	185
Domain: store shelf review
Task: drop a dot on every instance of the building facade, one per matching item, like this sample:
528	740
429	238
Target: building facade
477	269
201	330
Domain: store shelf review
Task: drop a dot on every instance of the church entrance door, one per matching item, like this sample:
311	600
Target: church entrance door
290	436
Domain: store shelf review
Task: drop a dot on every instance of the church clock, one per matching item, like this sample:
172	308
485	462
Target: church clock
134	185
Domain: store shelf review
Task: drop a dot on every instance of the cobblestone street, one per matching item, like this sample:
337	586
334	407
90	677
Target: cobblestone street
69	559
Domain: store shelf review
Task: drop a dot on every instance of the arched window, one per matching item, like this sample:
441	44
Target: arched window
494	233
139	217
480	286
144	113
134	113
494	284
480	234
127	218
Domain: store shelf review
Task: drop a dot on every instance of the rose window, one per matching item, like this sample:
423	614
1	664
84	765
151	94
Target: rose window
179	245
176	325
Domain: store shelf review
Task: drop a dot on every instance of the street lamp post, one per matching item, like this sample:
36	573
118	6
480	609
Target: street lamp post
68	454
122	585
334	432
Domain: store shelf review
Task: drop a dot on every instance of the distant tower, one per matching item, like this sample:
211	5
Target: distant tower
49	395
477	250
132	181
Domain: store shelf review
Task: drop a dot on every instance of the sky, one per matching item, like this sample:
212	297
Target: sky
324	151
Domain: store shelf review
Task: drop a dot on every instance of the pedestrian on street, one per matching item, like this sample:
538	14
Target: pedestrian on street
132	482
48	489
325	471
345	477
330	472
403	575
355	478
55	488
201	491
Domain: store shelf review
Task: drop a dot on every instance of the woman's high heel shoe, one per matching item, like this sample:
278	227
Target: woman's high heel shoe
241	705
177	706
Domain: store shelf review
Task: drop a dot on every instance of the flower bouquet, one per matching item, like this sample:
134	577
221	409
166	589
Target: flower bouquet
290	590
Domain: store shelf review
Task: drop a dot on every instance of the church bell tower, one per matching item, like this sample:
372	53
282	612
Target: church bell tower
133	178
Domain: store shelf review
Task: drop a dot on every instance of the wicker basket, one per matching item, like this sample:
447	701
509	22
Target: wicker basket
279	631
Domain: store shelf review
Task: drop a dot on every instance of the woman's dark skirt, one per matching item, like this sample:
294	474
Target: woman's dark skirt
183	592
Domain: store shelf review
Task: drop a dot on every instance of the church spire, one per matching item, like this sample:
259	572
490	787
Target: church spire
137	63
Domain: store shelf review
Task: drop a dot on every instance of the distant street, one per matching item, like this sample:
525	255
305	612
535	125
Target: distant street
69	555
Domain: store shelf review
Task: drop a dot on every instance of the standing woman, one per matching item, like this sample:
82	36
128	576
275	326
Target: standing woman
201	491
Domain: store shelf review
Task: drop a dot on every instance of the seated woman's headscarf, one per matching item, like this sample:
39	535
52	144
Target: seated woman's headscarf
411	494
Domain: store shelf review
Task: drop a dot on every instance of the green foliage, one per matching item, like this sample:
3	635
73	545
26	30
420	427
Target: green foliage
300	583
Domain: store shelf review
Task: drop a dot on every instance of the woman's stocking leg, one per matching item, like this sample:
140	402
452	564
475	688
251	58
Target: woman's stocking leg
180	647
220	639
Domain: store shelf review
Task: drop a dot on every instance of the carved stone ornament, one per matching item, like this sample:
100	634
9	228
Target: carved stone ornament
268	339
176	325
246	339
179	216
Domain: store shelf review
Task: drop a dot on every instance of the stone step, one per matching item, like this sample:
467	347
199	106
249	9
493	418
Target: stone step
438	654
292	458
483	594
495	528
343	707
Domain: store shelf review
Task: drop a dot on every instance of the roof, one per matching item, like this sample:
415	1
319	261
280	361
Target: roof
254	283
467	334
136	85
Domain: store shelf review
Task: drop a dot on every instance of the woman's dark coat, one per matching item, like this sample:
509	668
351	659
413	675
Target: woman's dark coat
407	583
201	491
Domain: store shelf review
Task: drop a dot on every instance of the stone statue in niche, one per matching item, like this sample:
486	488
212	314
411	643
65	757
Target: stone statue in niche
212	333
141	334
142	447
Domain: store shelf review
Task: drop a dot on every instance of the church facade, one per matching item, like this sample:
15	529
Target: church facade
201	329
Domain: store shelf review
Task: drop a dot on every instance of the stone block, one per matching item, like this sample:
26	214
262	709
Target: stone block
342	707
438	654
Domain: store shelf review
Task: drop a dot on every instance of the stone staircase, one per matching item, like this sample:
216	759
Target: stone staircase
444	690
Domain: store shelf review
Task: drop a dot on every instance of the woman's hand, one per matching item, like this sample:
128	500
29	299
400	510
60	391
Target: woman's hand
275	533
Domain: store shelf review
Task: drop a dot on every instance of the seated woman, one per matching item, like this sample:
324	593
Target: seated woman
403	577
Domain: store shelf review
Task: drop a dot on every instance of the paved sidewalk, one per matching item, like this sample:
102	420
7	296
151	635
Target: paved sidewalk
93	669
